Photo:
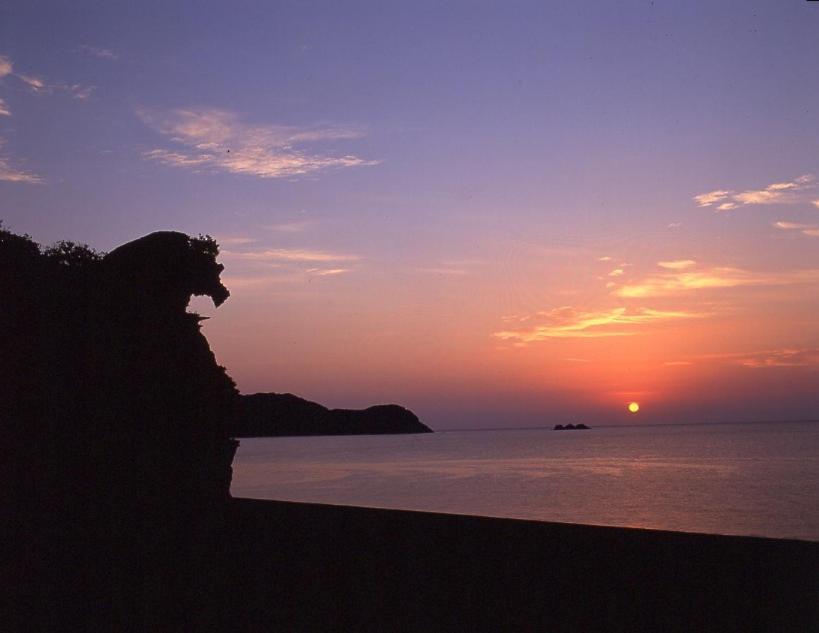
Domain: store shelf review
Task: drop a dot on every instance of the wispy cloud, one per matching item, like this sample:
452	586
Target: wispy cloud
259	269
811	230
790	192
784	357
719	277
4	109
99	52
224	240
289	255
674	225
677	264
712	197
6	66
36	84
210	139
617	272
10	173
39	86
289	227
568	322
605	258
781	358
324	272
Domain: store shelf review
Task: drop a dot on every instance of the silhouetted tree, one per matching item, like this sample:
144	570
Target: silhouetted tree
72	254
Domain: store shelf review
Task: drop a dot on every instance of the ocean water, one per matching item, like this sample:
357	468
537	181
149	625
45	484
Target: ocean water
750	479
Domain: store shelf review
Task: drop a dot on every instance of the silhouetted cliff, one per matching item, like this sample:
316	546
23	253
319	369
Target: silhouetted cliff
271	414
112	414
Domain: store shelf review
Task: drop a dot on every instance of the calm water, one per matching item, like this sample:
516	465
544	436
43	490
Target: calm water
756	479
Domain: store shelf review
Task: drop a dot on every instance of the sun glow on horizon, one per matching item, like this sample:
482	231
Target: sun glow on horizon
633	407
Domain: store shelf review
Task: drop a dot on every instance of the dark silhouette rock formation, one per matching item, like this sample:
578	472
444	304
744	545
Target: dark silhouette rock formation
113	420
272	414
571	427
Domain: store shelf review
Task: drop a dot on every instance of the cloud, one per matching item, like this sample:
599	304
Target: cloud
6	67
677	363
810	230
781	358
289	255
217	140
791	192
675	225
257	269
39	87
4	109
323	272
288	227
787	226
76	91
617	272
712	197
815	203
35	83
663	284
10	174
605	258
567	322
101	53
234	241
677	264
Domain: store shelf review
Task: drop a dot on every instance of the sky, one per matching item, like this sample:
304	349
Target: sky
498	214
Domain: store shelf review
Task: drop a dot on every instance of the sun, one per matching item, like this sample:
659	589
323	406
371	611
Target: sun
633	407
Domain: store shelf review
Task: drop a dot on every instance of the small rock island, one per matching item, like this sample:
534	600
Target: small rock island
571	427
276	414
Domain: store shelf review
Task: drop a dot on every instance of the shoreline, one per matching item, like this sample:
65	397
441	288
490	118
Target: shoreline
303	566
560	524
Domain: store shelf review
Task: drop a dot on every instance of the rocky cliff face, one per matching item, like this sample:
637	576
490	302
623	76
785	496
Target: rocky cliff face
272	414
112	412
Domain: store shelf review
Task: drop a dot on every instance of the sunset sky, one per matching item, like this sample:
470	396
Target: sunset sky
494	213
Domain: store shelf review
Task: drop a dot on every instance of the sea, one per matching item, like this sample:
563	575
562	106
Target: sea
759	479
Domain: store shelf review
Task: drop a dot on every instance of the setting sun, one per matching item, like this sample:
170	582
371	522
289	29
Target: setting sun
633	407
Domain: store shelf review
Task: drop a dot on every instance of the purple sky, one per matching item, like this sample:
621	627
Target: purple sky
429	203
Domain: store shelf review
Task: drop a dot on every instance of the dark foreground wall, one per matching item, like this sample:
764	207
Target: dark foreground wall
320	568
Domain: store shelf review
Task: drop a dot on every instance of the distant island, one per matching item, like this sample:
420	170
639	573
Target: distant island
571	427
277	414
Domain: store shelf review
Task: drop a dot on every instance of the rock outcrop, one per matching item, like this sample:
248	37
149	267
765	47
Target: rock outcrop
273	414
112	414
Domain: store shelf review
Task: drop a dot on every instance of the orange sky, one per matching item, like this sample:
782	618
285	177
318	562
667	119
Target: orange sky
694	322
